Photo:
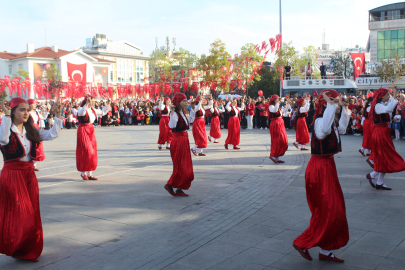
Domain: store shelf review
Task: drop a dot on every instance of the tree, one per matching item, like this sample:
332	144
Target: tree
269	83
246	64
341	64
287	53
215	65
310	56
54	79
391	69
22	73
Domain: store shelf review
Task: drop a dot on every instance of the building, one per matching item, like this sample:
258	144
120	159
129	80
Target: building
35	61
387	31
131	65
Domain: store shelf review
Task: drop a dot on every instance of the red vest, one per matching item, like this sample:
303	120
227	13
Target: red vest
181	124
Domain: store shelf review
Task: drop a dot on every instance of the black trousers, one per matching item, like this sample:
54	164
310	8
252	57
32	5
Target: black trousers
287	122
263	121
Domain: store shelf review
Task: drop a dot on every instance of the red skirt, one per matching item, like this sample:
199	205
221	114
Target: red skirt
183	173
86	148
165	133
215	130
328	227
302	132
40	149
233	131
278	137
20	226
199	133
386	158
368	128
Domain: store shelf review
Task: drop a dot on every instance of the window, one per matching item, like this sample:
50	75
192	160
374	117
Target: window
10	69
390	41
20	66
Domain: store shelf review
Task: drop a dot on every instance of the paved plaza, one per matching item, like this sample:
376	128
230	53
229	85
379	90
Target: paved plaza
243	211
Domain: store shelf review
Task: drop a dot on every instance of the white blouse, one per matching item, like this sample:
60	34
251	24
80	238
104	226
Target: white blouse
36	117
162	107
323	124
229	107
274	108
386	107
174	119
305	108
285	109
45	135
199	107
82	112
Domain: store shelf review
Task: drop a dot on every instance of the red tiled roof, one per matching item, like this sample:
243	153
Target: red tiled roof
44	52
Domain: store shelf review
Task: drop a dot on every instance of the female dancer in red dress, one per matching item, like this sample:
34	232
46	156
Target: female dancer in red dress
302	133
199	132
165	133
86	148
20	228
328	227
183	173
368	128
233	124
278	135
386	158
215	130
36	117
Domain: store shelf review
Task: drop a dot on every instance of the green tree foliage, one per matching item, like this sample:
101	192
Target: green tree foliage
246	63
269	84
391	69
215	65
54	79
22	73
340	64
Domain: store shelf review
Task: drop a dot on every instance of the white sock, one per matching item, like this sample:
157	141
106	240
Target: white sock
369	151
83	173
276	158
381	179
195	147
326	252
215	140
362	149
302	146
374	174
201	150
397	133
160	145
168	145
209	137
89	173
35	163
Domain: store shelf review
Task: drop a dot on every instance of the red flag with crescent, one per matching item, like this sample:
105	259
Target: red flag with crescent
223	83
233	84
214	85
177	87
168	88
77	72
138	89
194	86
359	64
185	87
203	84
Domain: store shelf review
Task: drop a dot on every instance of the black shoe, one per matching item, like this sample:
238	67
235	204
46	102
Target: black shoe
382	187
169	189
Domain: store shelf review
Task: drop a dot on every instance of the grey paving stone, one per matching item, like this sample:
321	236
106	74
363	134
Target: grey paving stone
236	263
260	256
222	249
262	230
377	249
361	260
391	263
200	260
383	238
291	262
245	239
273	244
176	266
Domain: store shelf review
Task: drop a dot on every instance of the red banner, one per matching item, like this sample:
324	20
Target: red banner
214	85
138	89
233	84
359	64
194	86
77	72
162	77
177	87
168	89
185	87
203	84
223	84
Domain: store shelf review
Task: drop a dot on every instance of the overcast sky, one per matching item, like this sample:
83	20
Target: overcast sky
195	24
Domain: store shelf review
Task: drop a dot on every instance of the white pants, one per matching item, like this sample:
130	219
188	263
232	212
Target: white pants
249	121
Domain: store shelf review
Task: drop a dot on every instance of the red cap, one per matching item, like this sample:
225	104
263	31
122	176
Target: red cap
197	99
15	101
166	99
179	97
32	101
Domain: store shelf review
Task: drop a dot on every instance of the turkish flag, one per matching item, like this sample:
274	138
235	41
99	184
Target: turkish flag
168	89
77	72
223	83
233	84
194	87
162	77
177	87
314	94
185	87
138	89
359	64
157	89
214	85
203	84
